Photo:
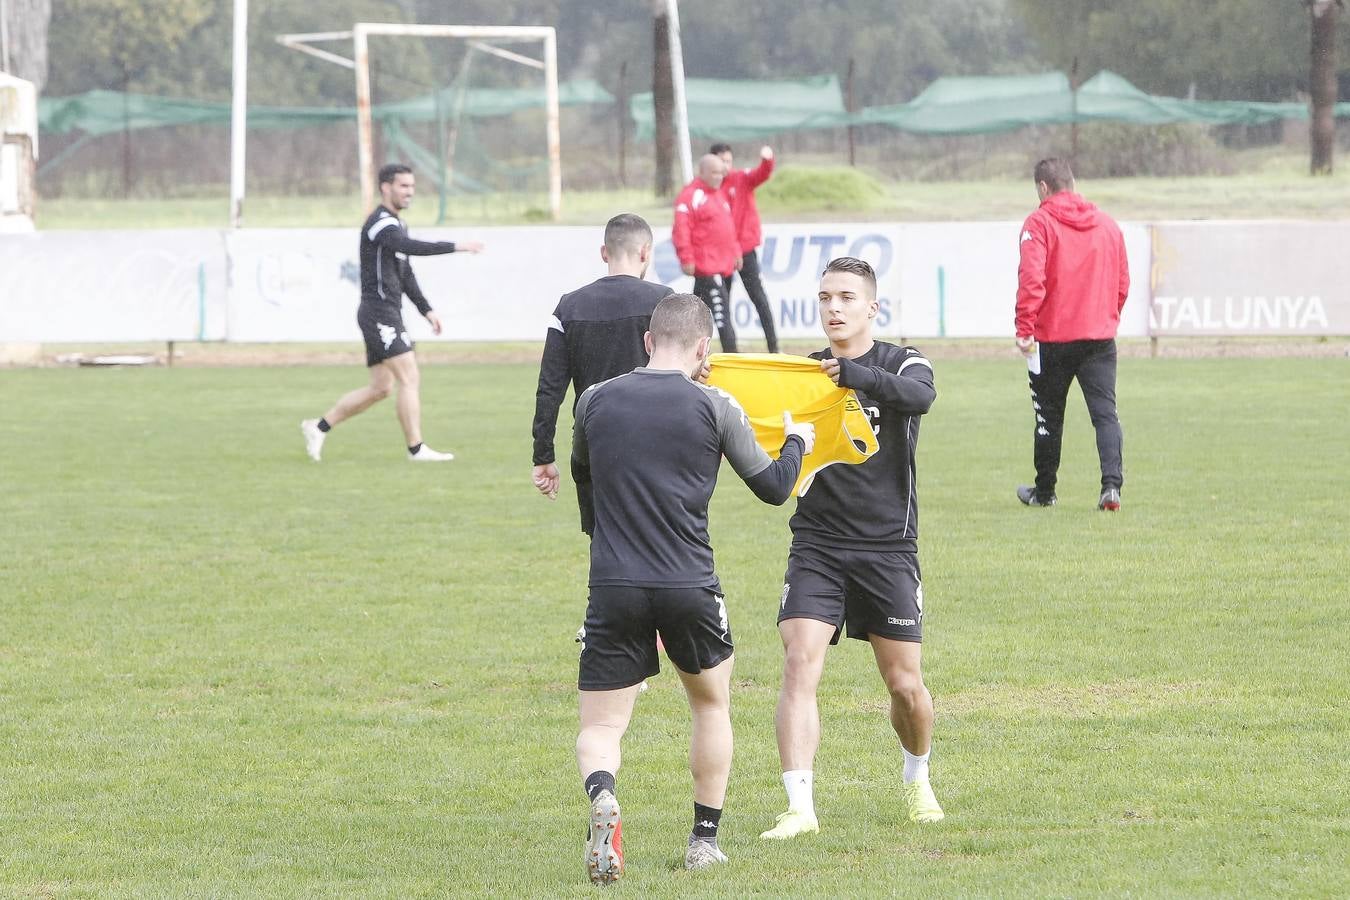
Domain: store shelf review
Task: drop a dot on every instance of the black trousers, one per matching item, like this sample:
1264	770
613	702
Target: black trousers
755	289
1093	363
714	290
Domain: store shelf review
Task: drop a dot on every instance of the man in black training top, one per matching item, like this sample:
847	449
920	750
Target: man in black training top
386	275
645	455
595	334
854	563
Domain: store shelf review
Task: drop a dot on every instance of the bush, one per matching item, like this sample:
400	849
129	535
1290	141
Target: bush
795	188
1115	150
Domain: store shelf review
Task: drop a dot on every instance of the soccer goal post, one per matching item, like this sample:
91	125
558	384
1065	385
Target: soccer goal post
484	38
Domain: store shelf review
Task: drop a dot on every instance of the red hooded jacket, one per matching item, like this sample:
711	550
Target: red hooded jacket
739	186
1073	277
704	233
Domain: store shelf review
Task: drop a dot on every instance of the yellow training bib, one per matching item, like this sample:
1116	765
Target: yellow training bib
767	384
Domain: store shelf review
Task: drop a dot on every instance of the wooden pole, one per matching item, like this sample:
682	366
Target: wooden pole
1322	84
663	103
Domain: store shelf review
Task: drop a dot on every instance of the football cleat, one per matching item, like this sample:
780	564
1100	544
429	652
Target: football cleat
923	806
313	438
1110	500
426	454
1027	494
790	824
702	854
604	846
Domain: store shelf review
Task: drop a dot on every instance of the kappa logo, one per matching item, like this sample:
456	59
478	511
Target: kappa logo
782	599
894	621
387	334
1026	236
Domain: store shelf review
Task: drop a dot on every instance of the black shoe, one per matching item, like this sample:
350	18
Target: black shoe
1027	494
1110	500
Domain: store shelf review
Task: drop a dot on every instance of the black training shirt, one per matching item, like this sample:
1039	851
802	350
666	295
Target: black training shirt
873	505
595	334
646	450
386	274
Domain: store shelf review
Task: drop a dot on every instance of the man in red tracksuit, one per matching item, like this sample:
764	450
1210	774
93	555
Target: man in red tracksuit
705	241
1072	282
739	186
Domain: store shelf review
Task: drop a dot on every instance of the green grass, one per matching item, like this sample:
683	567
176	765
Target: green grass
1278	189
228	672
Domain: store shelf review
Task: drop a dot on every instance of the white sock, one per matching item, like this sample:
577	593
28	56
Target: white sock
916	767
799	784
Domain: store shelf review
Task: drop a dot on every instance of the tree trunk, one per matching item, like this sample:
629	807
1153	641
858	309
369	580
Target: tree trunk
663	101
1322	84
26	27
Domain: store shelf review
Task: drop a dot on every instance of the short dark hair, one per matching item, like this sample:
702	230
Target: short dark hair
719	149
680	320
627	233
1056	174
388	172
854	266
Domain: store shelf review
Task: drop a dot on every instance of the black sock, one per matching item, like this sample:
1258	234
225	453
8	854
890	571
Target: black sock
598	781
324	426
706	820
414	448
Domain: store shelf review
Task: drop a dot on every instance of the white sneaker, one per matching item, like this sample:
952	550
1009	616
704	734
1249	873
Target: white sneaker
604	842
702	854
426	454
313	438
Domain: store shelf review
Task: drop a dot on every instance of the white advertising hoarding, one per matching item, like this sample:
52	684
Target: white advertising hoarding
112	286
934	280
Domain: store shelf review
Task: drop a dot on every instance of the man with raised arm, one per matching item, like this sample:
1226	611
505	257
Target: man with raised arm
386	275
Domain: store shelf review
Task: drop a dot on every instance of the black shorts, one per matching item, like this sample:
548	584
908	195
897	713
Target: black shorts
872	592
618	641
384	334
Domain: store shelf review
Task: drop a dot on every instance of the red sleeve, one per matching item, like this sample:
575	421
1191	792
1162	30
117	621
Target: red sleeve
1124	271
680	233
760	173
1032	248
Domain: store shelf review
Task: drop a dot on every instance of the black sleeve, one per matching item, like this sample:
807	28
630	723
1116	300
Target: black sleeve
394	238
581	466
909	391
774	484
554	369
412	288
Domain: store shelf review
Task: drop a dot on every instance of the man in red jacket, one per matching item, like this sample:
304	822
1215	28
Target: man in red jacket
705	241
739	186
1072	282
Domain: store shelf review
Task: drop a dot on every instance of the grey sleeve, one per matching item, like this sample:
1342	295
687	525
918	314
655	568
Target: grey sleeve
770	480
737	438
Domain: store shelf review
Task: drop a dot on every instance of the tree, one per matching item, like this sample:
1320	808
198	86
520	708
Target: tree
26	24
663	99
1322	83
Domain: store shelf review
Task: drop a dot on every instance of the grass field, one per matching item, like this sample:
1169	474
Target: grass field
1280	189
226	671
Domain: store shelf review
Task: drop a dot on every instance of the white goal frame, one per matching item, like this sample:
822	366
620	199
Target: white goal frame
478	36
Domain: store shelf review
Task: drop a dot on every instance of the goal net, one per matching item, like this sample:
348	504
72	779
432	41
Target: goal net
473	109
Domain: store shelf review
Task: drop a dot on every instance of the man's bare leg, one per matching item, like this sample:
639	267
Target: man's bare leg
604	719
409	379
912	719
361	399
710	749
797	721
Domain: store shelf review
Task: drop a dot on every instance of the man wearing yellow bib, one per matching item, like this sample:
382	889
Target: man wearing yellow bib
853	566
